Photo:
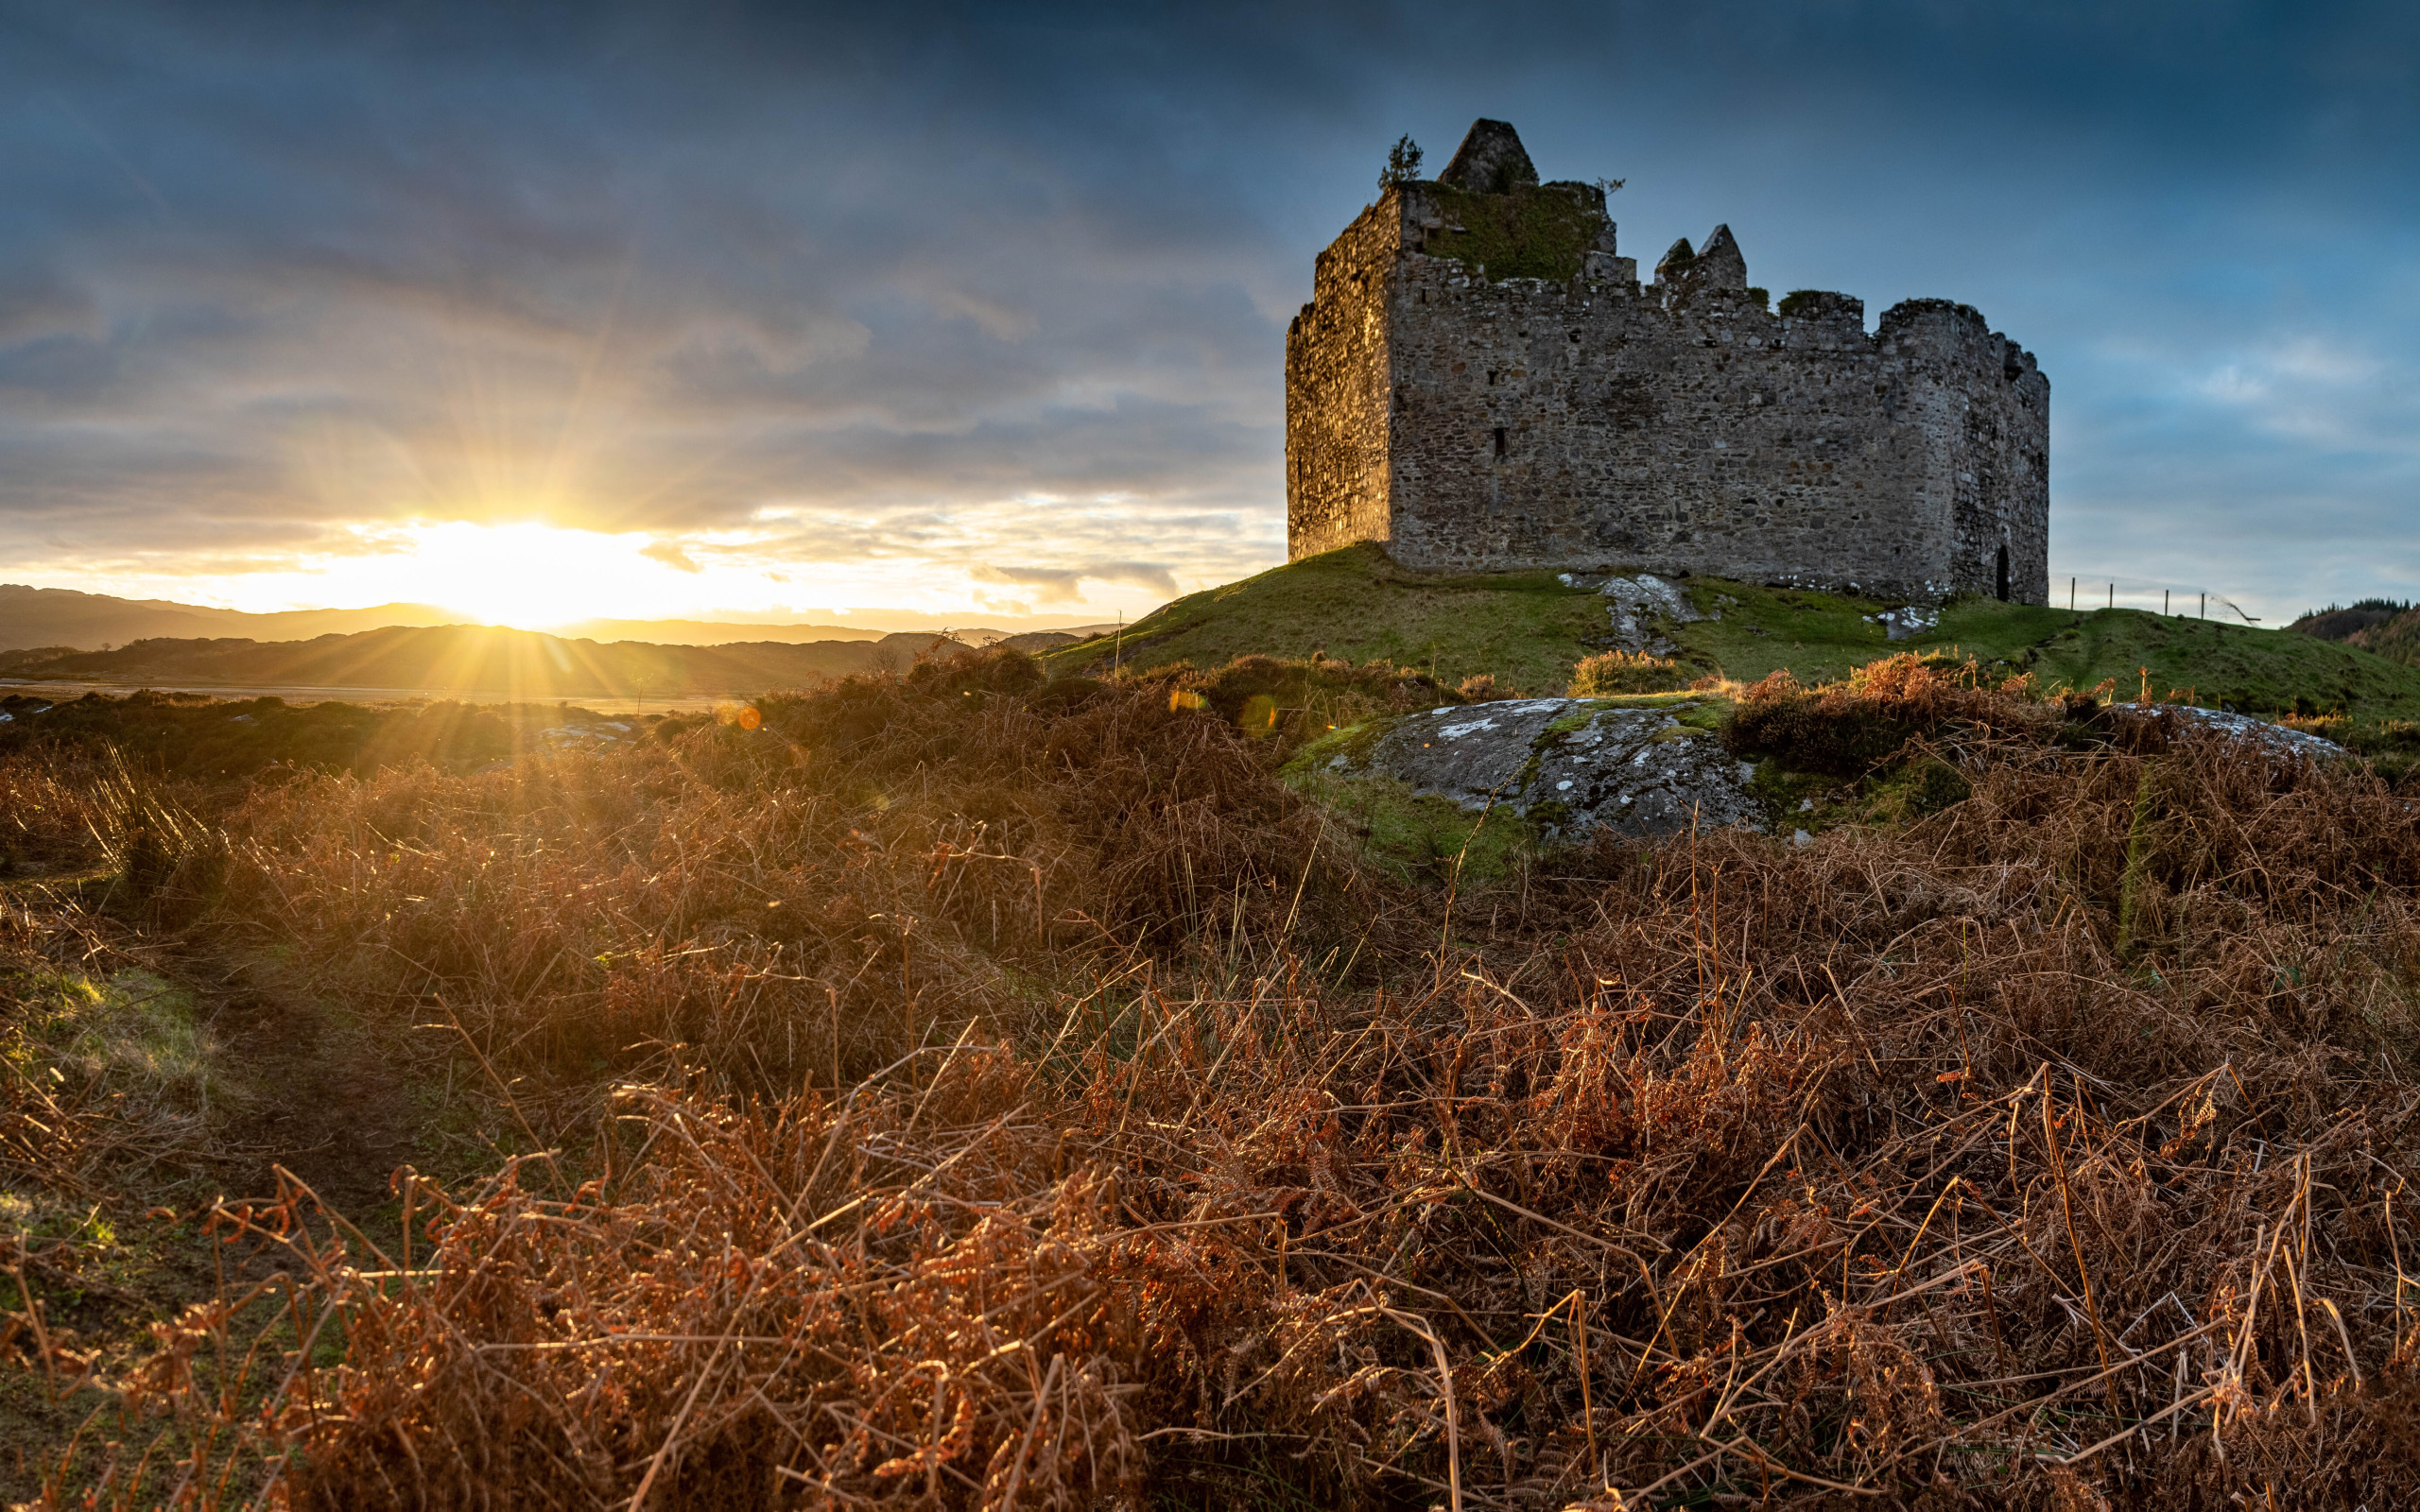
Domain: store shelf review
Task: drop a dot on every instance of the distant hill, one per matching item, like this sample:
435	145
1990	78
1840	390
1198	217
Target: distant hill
62	616
465	658
2397	639
727	632
2344	621
713	632
33	617
2382	627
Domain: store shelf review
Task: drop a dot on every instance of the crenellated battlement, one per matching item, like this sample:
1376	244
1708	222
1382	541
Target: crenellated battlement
1481	382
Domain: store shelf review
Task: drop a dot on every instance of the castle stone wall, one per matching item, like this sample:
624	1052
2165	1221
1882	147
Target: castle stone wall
1480	425
1338	440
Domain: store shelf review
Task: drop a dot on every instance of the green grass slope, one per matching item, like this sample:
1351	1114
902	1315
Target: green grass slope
1528	629
1821	636
1525	627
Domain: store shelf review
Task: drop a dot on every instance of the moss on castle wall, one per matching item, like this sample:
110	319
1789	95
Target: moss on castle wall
1536	231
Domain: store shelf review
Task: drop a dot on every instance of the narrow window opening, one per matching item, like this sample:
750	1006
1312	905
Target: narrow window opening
1499	452
2003	575
1491	377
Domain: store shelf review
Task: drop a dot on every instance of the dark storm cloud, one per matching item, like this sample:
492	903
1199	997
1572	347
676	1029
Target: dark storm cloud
846	278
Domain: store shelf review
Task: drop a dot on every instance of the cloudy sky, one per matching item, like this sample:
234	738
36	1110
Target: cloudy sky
540	312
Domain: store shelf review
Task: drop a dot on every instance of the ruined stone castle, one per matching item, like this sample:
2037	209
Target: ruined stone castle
1481	382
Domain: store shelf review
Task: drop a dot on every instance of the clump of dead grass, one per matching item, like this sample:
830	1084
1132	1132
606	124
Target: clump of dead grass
49	816
1286	701
876	865
1845	729
106	1074
1612	673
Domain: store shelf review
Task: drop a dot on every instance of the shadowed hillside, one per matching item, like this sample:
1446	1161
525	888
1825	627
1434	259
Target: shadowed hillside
473	658
2397	639
2340	621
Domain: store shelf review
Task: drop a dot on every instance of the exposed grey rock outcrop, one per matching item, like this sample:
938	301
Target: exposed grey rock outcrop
1906	623
1468	753
1635	603
1638	602
1571	764
2275	740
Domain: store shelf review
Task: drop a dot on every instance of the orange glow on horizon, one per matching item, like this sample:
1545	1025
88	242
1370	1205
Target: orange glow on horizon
534	575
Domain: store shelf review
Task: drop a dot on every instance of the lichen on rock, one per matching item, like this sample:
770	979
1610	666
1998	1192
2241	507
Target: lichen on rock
1638	602
1570	765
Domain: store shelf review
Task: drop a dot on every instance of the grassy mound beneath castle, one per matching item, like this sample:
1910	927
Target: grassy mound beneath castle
1526	629
1529	629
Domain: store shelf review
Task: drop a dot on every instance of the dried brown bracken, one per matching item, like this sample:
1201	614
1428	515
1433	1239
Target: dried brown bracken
1169	1157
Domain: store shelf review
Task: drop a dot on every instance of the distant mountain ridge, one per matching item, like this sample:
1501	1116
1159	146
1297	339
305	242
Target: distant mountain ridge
64	616
709	632
2338	622
2382	627
471	658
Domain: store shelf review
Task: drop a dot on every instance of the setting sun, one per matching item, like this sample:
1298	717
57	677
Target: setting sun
531	575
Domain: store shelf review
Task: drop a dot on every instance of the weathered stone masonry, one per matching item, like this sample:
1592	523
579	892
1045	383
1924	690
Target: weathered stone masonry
1480	383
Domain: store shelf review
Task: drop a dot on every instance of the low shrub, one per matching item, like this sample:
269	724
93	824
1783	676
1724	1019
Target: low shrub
1610	672
1846	728
1291	700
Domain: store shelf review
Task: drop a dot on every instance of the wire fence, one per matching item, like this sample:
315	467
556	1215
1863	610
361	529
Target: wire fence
2081	593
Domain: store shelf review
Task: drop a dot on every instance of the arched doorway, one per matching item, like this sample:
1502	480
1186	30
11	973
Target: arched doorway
2003	575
